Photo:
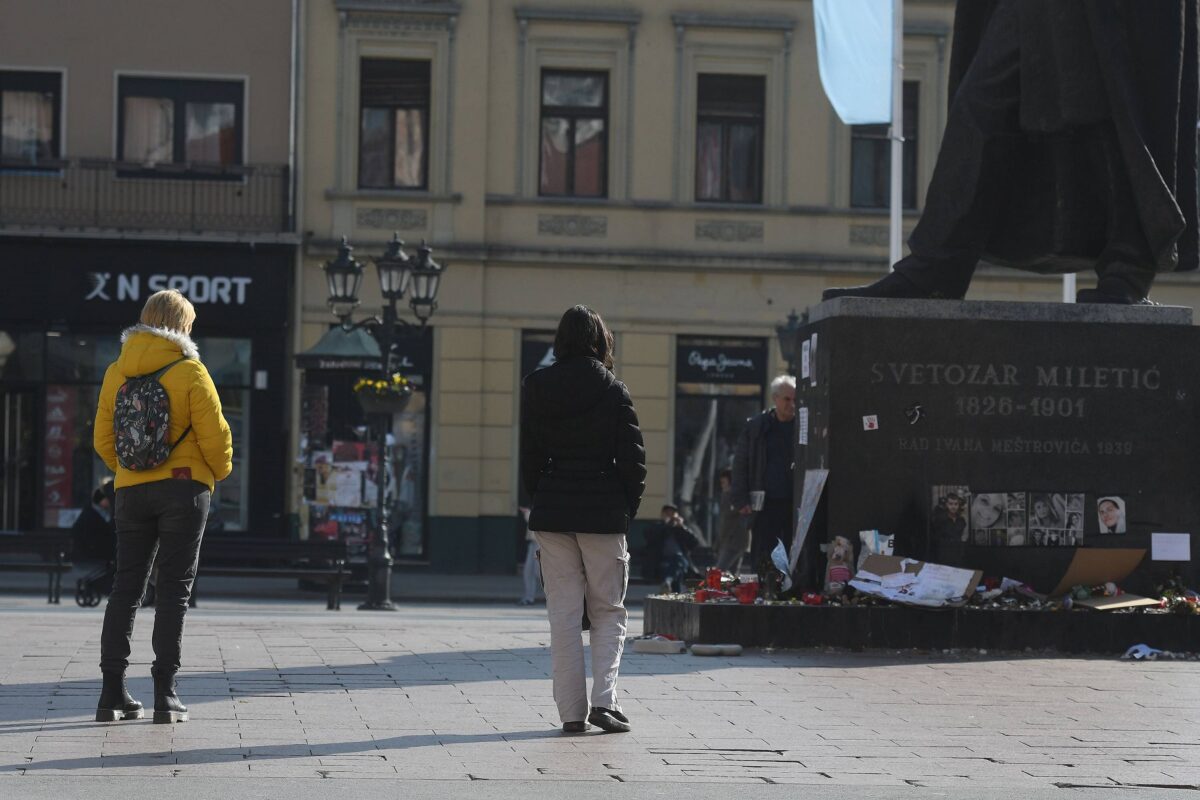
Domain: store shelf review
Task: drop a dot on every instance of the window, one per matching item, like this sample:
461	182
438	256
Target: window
574	140
30	117
393	149
180	121
871	159
729	138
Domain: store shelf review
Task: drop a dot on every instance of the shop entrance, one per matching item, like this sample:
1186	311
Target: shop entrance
18	485
719	384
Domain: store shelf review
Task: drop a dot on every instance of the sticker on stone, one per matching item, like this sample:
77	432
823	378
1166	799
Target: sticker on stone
871	422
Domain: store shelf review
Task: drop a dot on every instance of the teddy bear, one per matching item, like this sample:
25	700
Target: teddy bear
838	572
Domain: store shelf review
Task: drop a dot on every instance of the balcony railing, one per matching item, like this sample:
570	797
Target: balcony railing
90	194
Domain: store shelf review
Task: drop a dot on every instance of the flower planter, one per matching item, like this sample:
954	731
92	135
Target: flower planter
386	403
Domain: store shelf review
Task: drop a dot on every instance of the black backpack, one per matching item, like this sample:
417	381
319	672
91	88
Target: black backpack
141	420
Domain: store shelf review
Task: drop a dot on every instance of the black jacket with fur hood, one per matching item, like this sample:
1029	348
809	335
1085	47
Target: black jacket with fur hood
582	459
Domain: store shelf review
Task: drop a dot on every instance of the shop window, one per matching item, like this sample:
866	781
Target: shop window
79	358
719	384
574	134
71	469
340	456
180	121
21	355
729	138
30	117
228	364
393	140
871	158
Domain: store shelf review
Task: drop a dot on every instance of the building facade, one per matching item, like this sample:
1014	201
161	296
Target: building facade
142	150
671	163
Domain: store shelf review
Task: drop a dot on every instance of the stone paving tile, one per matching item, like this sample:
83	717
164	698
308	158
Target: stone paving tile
440	693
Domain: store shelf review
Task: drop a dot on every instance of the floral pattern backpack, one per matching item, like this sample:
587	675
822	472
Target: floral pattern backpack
141	420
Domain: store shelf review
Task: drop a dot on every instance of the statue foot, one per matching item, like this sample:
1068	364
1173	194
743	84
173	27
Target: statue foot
1113	292
893	285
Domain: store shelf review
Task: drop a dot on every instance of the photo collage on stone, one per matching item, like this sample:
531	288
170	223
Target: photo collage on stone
1019	519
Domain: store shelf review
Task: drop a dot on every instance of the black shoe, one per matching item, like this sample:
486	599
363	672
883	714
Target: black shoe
115	701
575	726
1113	293
608	720
892	285
167	705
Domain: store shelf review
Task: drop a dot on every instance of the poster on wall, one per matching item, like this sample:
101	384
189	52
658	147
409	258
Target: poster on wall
335	523
58	456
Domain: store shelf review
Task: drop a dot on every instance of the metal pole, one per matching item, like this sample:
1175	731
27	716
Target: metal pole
379	556
896	231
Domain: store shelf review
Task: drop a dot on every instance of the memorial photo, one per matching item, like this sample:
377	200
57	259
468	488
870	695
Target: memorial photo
989	525
948	519
1111	513
998	519
1047	510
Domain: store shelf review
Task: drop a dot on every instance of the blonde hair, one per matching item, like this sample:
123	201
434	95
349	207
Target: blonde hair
169	309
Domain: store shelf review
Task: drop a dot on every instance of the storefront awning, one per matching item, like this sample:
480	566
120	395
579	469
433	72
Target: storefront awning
341	349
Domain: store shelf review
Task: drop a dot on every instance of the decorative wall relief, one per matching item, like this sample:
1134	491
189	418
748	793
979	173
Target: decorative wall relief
582	225
718	230
392	219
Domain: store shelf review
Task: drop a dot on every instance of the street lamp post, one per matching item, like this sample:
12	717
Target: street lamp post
399	275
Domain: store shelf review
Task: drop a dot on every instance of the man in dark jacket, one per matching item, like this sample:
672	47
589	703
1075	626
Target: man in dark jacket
667	556
94	533
1070	143
762	471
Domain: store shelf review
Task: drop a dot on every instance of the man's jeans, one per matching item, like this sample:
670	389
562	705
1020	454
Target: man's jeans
166	517
576	566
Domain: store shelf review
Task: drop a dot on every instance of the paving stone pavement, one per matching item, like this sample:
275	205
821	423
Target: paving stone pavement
438	696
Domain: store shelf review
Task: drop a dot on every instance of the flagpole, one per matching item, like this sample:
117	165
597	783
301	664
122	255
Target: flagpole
896	232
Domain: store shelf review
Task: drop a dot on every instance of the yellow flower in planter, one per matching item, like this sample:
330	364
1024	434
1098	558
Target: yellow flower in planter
397	384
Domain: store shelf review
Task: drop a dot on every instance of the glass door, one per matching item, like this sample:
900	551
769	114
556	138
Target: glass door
18	470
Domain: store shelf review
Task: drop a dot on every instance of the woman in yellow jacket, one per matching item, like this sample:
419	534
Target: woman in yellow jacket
161	508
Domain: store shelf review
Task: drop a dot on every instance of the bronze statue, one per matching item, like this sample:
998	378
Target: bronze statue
1070	143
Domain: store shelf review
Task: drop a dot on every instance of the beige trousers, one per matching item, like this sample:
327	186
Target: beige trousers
578	567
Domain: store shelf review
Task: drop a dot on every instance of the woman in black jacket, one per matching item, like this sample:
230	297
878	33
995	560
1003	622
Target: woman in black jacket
583	464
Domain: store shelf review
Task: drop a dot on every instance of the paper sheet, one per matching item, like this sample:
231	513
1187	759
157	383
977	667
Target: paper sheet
804	353
1170	547
814	484
802	424
812	360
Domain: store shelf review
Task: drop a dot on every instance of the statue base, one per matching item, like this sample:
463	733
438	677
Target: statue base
1004	437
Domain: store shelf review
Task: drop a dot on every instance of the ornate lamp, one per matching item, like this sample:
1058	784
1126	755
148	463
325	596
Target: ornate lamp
344	276
426	280
395	270
787	339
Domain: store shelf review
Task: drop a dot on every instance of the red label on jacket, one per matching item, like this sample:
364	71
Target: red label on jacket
182	473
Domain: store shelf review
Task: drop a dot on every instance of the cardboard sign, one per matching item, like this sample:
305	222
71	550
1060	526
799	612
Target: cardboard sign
1095	565
916	583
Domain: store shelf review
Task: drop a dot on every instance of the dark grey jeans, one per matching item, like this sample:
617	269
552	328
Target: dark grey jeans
164	517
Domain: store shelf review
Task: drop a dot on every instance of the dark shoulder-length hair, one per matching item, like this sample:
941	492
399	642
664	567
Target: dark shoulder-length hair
581	332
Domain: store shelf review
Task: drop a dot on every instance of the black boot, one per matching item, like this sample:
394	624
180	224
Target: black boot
115	701
892	285
1115	291
167	705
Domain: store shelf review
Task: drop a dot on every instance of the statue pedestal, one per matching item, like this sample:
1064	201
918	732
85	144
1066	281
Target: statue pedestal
989	435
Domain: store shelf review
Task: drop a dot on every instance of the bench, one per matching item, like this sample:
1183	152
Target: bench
240	557
38	551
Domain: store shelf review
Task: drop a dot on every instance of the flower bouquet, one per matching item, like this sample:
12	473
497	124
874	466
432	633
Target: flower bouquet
383	395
